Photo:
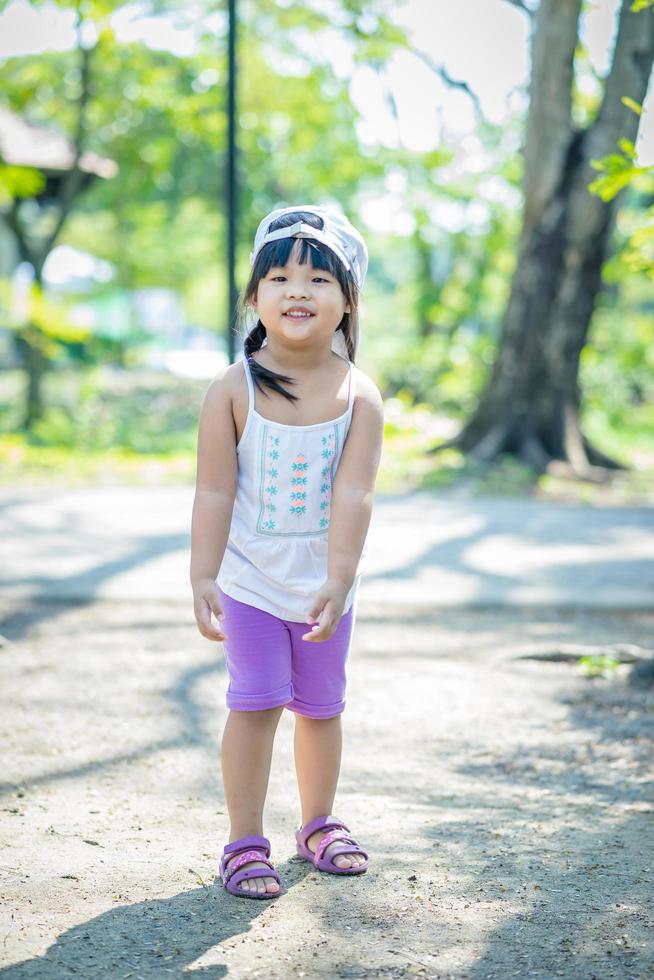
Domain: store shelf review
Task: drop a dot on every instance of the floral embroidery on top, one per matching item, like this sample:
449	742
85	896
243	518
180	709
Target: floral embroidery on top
328	453
270	488
295	478
298	497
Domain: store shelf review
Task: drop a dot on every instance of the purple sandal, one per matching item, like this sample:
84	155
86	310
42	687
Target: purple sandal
336	831
248	849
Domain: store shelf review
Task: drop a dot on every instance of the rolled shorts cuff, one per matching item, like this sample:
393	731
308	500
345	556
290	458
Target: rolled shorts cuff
259	702
316	710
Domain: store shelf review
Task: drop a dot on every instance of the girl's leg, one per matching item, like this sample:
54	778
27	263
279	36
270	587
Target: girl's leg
245	758
258	658
318	746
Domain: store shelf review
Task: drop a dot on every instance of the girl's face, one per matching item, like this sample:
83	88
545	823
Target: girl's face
300	304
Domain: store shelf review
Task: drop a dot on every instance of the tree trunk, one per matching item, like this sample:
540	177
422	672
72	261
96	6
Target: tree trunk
36	366
28	339
531	405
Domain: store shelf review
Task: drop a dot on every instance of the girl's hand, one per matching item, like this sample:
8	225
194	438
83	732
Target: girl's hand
327	609
206	600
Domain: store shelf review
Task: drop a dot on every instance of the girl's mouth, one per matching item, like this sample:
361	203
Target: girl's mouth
298	316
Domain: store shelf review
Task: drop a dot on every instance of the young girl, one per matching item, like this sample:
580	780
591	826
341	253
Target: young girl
288	448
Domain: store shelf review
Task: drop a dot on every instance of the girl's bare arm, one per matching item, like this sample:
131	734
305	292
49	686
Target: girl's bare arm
215	490
351	506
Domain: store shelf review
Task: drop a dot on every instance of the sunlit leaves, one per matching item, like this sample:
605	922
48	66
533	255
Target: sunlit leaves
631	103
19	182
619	170
45	322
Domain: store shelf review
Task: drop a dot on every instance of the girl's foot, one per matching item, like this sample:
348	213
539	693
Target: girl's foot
340	860
259	885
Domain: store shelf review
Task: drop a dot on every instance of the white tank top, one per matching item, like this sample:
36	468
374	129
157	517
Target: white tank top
276	555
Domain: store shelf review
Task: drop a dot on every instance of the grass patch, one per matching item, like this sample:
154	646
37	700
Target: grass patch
24	464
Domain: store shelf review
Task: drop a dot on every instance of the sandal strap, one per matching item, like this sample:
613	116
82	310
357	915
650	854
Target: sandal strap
346	849
326	822
336	835
246	844
244	858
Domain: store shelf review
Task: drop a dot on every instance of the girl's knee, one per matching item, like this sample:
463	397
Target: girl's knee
333	720
258	716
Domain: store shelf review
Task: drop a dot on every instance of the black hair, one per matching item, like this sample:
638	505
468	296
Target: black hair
277	253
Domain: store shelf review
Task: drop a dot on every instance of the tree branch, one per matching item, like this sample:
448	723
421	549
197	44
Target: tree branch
74	180
521	5
549	123
630	72
444	75
13	222
631	66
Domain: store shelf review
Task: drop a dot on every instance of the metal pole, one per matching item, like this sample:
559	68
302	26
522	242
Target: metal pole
231	183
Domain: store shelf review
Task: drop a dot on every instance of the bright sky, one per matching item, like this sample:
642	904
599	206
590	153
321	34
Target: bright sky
484	42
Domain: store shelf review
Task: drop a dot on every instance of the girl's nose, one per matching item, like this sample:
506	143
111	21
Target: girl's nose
296	289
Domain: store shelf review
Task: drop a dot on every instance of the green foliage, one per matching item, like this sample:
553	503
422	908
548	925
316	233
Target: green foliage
157	246
161	117
45	322
435	300
617	365
631	103
442	371
598	666
19	182
618	170
103	409
21	462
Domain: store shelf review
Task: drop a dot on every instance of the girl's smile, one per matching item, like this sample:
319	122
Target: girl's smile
298	313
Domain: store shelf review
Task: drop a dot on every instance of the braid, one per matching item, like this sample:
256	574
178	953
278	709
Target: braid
254	339
261	375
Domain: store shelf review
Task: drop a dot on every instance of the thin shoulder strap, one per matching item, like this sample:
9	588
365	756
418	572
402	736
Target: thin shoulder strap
248	378
350	397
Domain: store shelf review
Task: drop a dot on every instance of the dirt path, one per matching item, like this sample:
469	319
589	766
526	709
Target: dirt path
505	803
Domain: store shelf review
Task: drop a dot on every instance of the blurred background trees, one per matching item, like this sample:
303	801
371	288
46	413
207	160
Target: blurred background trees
121	319
530	406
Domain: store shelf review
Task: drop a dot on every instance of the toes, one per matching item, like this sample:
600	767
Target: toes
343	861
259	885
349	860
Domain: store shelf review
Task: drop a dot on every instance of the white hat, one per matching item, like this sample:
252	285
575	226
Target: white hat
337	234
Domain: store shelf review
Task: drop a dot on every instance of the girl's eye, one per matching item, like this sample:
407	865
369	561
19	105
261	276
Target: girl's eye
283	279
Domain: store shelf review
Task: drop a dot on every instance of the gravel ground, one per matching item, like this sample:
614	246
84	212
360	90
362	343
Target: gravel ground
504	801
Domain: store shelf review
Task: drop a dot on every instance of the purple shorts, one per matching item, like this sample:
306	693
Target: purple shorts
269	664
